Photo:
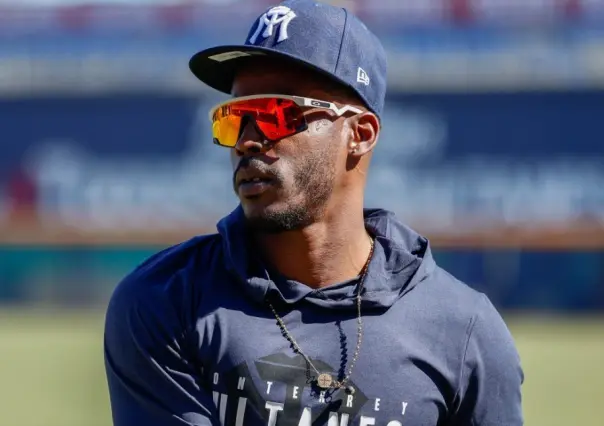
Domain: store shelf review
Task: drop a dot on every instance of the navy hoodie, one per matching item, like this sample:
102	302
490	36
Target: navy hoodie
190	340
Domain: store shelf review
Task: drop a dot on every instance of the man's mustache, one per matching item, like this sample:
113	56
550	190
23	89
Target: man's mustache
257	164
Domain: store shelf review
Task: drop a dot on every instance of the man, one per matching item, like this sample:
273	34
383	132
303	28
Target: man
304	308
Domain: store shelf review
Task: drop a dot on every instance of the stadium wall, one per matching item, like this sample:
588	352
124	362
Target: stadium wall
509	186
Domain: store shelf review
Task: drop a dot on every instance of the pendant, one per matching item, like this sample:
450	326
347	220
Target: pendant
325	381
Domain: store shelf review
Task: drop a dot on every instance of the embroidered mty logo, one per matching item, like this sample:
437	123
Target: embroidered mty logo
278	16
362	77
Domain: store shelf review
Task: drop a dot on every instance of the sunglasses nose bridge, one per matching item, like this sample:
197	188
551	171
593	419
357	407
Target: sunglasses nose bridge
250	140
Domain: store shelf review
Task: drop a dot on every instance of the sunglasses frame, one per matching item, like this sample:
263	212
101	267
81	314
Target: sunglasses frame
298	100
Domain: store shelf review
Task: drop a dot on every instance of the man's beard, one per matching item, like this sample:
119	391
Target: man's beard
275	222
314	180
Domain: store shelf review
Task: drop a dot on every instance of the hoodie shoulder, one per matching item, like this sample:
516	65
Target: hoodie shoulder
173	260
490	375
149	339
167	279
462	323
450	303
456	294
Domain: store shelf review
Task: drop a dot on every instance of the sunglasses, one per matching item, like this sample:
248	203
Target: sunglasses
275	116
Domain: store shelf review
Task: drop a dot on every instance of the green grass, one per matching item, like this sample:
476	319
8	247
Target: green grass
563	361
51	369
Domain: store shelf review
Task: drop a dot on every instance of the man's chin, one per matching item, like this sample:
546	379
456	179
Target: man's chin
258	207
272	219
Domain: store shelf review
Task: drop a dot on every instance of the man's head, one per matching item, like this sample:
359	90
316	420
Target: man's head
311	171
296	160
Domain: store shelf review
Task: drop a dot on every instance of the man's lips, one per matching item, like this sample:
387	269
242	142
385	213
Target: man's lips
254	187
247	181
251	175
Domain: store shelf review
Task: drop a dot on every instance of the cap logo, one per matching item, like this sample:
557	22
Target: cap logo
278	16
362	77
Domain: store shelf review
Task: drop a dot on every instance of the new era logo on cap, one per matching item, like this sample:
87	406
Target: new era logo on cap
362	77
319	36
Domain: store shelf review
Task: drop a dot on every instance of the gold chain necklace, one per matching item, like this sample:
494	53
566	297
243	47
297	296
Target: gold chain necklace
324	379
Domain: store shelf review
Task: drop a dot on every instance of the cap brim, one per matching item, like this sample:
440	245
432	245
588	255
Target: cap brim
218	66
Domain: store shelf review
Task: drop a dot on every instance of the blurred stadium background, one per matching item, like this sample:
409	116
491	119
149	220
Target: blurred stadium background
493	147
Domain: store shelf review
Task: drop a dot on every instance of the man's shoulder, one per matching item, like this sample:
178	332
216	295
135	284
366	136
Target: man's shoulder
453	287
451	313
168	272
175	258
450	299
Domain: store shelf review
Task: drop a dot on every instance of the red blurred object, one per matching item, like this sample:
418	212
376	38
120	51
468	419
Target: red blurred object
22	196
175	17
572	8
75	17
461	11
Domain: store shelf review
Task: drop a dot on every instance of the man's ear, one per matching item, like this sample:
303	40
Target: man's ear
365	131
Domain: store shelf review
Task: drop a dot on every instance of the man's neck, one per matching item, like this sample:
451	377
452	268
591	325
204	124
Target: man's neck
321	254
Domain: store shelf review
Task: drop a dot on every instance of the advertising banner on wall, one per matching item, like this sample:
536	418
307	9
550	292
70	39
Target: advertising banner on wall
450	164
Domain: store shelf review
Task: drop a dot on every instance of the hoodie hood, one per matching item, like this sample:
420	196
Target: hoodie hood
401	260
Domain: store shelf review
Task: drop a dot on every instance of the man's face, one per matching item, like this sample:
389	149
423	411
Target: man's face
299	173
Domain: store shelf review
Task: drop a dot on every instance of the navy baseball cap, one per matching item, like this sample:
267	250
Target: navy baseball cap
318	36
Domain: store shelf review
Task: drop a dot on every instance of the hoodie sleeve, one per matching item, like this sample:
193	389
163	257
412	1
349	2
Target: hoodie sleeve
152	381
491	377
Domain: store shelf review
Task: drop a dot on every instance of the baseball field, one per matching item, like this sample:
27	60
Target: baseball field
51	369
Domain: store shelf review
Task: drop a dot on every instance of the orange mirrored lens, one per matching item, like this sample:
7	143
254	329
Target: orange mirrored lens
276	118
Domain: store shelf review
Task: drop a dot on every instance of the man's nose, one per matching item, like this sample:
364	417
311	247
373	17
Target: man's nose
250	141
